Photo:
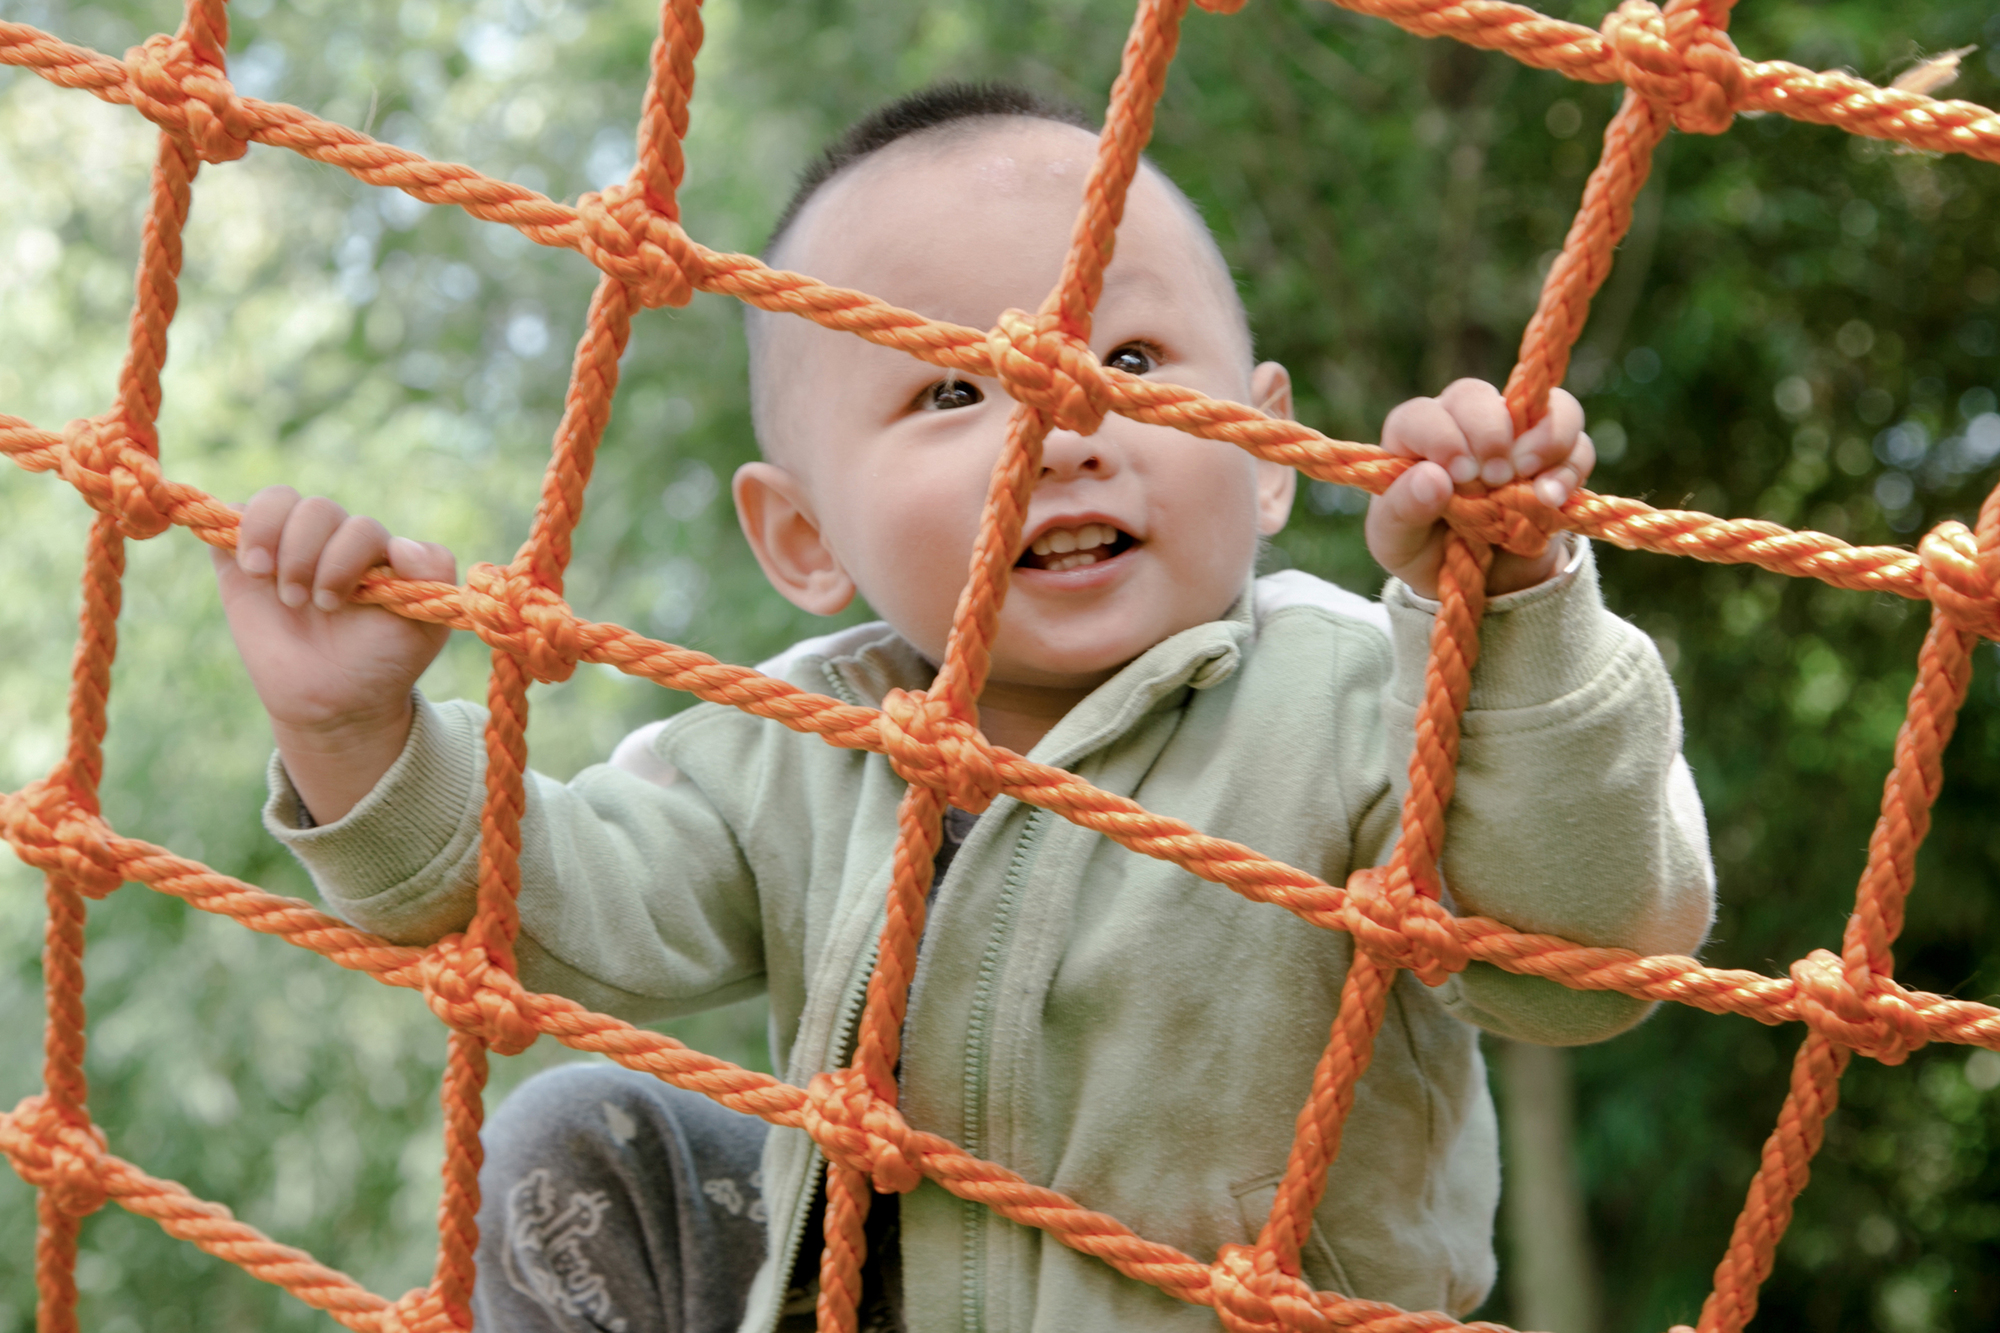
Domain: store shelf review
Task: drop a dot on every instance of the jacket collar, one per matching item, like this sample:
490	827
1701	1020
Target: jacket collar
866	662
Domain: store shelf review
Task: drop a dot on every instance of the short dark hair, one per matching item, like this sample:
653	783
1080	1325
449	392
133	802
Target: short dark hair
940	104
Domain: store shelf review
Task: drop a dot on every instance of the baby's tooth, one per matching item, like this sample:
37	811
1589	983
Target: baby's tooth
1041	546
1091	537
1062	541
1085	558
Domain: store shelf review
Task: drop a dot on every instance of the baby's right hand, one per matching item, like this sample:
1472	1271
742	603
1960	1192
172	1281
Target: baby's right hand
334	676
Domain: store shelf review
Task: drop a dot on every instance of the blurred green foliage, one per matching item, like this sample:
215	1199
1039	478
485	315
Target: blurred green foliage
1802	326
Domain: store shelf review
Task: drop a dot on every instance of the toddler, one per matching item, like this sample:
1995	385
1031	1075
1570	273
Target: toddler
1102	1022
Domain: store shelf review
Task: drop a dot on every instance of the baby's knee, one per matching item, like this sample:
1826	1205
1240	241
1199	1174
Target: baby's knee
611	1197
566	1103
597	1111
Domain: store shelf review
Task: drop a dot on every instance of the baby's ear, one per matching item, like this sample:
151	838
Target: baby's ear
1271	390
779	523
1271	393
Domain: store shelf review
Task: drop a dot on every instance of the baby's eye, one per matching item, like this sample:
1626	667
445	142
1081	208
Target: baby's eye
946	395
1133	359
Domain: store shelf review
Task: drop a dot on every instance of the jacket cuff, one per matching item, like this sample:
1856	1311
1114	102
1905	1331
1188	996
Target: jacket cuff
1535	645
410	832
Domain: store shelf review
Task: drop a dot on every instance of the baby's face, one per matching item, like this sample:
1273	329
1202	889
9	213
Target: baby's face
1135	532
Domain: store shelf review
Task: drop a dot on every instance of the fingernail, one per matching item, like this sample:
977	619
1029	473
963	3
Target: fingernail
1551	492
1524	463
1464	468
402	551
254	560
1497	472
292	594
325	600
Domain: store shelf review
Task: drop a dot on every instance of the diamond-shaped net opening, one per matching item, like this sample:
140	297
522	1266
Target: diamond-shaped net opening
1680	70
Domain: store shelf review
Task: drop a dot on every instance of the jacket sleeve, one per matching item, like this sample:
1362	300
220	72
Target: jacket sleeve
1574	812
636	899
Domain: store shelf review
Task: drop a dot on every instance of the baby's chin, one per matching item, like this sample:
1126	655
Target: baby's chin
1075	660
1060	644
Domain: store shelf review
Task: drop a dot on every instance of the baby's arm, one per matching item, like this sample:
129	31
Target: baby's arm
1574	812
380	791
334	676
637	898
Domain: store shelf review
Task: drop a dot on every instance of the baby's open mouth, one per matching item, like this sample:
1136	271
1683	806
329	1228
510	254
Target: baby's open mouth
1073	548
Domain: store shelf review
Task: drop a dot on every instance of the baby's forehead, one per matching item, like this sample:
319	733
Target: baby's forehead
985	191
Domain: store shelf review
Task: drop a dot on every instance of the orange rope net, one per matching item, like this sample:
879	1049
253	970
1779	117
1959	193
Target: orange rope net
1681	70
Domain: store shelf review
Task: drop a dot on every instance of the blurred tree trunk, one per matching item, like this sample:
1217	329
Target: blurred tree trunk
1551	1279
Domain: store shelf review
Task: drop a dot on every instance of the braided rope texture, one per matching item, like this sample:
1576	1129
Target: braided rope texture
1681	71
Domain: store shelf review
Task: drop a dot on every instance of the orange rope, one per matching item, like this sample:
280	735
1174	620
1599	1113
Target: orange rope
1681	71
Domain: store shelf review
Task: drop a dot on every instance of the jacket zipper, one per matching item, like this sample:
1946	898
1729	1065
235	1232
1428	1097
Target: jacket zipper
850	1015
978	1058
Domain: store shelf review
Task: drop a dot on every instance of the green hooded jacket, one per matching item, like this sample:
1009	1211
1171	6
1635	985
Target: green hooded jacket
1104	1023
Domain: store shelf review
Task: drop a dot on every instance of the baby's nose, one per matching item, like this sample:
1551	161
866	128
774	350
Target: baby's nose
1067	454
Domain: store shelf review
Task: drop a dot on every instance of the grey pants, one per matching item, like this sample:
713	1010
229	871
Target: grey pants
615	1203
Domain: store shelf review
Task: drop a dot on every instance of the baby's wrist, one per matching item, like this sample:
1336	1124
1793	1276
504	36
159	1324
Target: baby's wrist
334	734
334	765
1517	573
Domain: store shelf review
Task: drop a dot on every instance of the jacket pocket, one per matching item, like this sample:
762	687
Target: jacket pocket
1323	1271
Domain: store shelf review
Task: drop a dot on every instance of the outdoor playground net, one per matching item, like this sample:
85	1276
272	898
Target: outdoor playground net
1681	71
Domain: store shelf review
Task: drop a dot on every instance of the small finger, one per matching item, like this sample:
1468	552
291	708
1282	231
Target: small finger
258	530
1481	413
1552	439
422	560
357	546
1555	486
1401	520
1583	459
311	523
1422	428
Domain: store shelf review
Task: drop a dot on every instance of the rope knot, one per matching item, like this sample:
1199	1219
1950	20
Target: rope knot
1253	1296
930	746
1958	581
1512	518
60	1151
1392	921
860	1131
1678	59
1051	371
113	468
176	89
625	235
469	992
51	832
1859	1009
526	618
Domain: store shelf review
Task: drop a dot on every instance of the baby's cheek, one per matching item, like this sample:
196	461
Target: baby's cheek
919	570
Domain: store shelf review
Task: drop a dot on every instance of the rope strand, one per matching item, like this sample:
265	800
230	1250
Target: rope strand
1681	70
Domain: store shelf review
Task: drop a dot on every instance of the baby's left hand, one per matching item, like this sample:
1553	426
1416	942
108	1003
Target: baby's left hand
1466	439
